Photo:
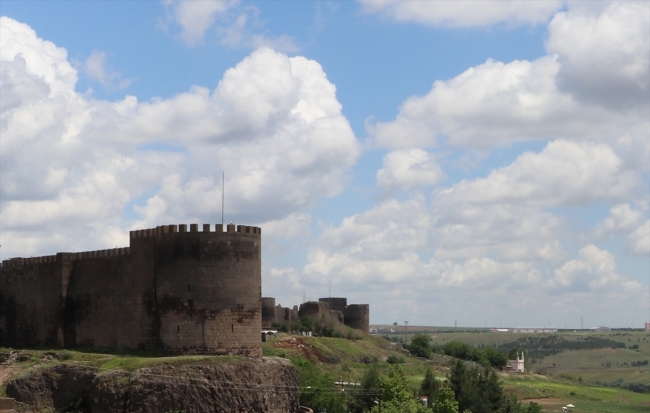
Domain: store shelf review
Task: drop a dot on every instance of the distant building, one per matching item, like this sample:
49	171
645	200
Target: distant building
516	365
647	326
600	328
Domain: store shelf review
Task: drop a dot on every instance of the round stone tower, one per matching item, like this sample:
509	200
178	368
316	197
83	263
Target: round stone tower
268	311
207	289
358	316
336	303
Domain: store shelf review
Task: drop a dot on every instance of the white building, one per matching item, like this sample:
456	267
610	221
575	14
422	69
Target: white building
516	365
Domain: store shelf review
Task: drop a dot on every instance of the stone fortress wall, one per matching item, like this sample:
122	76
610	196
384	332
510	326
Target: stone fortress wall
333	308
184	292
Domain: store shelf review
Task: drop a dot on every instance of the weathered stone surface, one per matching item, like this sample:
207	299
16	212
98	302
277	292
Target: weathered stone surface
181	292
267	385
60	387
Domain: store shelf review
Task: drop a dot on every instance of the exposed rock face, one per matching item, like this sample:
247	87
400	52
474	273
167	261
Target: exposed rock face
266	385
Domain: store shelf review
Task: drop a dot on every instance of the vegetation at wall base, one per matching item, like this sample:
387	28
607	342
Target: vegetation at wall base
370	362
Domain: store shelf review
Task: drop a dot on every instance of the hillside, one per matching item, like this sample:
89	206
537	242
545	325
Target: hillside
348	360
322	361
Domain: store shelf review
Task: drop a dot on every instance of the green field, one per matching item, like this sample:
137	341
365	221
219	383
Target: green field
348	360
602	365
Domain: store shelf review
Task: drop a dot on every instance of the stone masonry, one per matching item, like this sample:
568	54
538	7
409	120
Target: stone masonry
179	291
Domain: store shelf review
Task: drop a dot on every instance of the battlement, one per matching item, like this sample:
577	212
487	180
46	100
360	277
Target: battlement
49	259
142	233
183	228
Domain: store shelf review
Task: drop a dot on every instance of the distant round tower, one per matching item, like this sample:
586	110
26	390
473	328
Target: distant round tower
268	311
358	316
336	303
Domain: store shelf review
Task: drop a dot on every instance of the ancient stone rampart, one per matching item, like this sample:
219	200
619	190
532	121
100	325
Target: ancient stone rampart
176	290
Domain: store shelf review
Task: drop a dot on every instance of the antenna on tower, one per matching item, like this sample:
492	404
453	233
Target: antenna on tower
223	194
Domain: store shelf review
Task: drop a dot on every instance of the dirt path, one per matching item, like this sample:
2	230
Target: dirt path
7	372
304	348
546	401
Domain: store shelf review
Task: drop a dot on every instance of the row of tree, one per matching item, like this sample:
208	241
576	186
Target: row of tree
421	346
540	346
467	389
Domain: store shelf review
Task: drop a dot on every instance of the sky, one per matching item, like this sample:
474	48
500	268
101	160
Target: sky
485	163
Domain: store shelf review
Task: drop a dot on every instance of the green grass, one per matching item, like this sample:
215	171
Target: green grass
348	359
585	397
588	364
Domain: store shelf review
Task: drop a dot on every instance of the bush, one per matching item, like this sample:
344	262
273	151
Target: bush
420	346
393	359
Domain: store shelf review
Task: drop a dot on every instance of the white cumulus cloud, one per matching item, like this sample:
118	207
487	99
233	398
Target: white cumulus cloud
79	167
466	13
593	85
97	69
564	173
594	270
196	17
639	240
408	169
604	55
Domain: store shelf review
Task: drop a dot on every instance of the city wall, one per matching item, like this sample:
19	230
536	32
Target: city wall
175	290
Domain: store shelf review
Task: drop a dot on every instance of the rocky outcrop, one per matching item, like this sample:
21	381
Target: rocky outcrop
267	385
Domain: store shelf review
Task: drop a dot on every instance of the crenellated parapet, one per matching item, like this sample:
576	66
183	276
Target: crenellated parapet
194	228
141	233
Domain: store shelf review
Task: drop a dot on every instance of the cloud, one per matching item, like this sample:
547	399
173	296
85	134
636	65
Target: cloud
594	270
603	55
196	17
238	35
79	167
464	13
564	173
577	92
97	69
505	232
407	169
639	240
621	220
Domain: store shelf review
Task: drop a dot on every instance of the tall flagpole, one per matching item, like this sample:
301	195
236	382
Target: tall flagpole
223	194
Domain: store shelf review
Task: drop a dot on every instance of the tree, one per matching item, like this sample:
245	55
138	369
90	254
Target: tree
445	402
419	346
317	387
510	404
476	389
496	359
365	400
532	408
461	351
429	386
397	395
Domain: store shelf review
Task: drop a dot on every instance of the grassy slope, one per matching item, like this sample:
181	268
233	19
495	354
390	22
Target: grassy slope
350	360
587	364
551	392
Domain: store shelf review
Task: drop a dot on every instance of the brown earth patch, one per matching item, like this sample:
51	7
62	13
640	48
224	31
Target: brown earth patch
7	372
546	401
301	345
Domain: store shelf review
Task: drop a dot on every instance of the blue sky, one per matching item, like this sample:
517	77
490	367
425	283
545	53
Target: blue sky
486	162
